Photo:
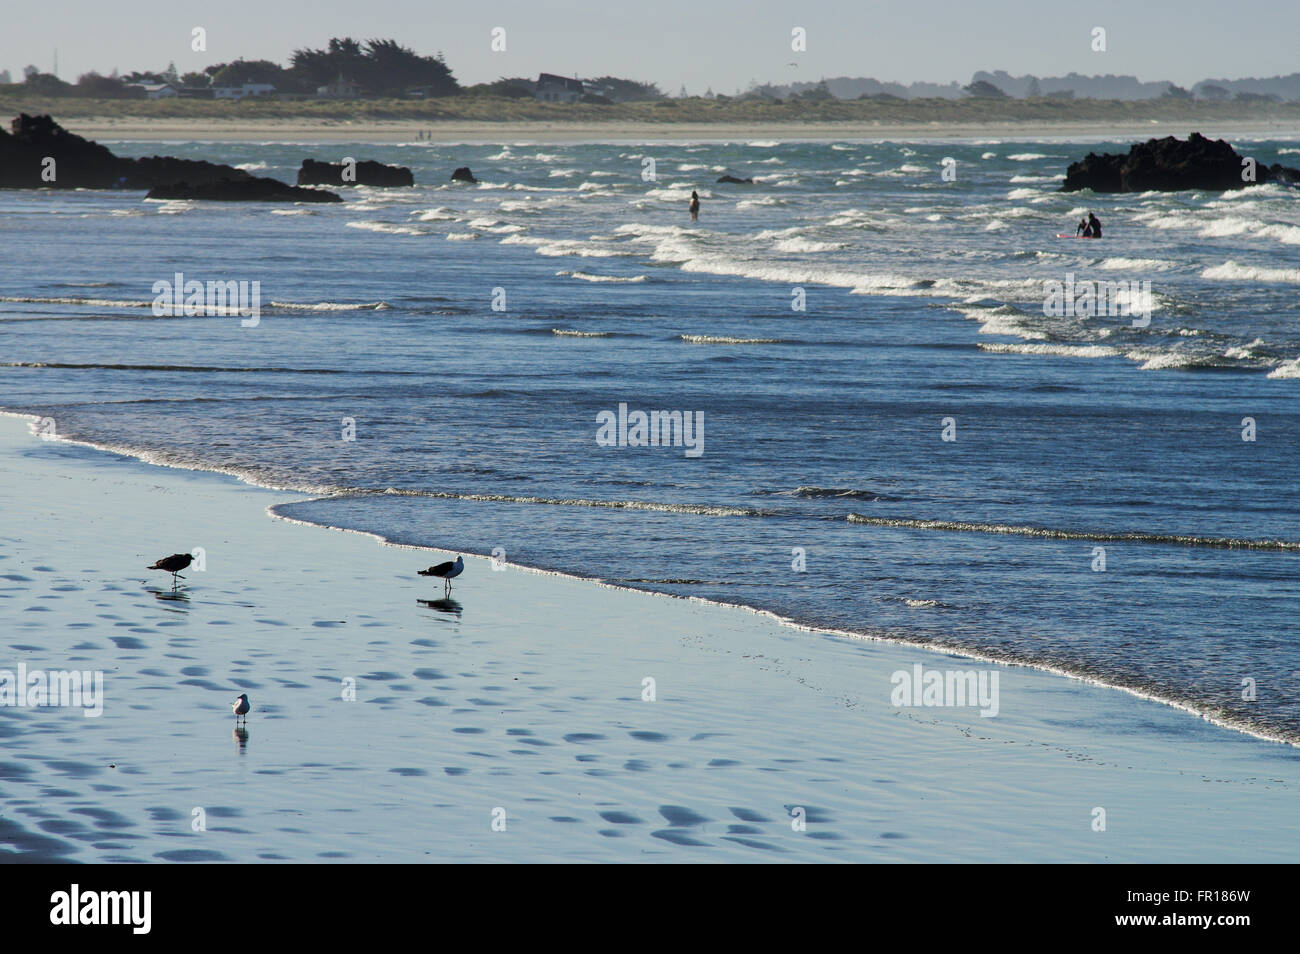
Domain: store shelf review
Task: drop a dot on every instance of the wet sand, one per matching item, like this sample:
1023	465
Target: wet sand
523	701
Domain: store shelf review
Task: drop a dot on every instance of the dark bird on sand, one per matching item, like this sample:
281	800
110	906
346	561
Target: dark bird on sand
173	564
447	571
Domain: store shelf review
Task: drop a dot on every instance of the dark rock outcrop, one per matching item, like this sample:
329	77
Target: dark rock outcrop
1170	165
735	180
252	189
463	175
79	163
368	173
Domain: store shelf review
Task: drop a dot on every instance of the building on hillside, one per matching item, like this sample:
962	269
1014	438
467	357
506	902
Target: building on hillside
339	89
242	92
155	90
558	89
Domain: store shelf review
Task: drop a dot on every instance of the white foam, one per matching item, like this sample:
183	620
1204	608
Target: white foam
1015	180
559	248
1246	352
330	305
386	227
1065	350
614	279
724	339
1231	271
1289	369
1137	264
675	193
801	244
1165	360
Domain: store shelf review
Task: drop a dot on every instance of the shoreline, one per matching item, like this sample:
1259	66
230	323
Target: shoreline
938	648
457	131
534	702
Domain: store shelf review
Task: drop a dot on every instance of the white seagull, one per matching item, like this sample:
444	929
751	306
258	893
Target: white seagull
241	706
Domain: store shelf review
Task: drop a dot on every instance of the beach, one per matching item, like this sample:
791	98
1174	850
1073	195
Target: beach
454	131
518	723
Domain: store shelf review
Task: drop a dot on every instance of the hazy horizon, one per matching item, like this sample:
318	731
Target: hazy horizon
677	44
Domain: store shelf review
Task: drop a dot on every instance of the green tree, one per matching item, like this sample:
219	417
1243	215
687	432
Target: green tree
251	71
47	84
391	68
626	90
94	85
816	94
982	89
343	57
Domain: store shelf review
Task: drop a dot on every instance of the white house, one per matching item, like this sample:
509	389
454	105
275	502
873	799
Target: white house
339	89
558	89
240	92
156	90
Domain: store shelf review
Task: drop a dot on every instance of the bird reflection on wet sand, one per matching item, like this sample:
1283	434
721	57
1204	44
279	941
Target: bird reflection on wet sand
241	736
446	605
172	596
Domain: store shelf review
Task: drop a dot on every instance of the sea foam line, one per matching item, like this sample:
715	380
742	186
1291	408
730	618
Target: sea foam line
1186	540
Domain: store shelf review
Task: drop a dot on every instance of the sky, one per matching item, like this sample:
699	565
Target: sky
700	44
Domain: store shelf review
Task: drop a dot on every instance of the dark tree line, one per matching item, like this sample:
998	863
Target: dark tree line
379	66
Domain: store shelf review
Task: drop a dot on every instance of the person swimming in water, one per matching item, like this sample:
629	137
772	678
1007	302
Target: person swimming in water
1081	229
695	206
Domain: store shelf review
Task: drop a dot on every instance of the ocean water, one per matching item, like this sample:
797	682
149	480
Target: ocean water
1097	511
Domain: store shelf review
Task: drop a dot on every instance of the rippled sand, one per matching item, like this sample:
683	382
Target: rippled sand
522	702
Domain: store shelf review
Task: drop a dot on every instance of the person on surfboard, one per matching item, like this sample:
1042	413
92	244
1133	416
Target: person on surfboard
695	206
1088	228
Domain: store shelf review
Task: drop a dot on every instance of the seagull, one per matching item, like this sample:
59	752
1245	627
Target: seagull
447	571
173	564
241	706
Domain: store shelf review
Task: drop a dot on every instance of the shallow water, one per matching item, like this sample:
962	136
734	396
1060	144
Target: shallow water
476	429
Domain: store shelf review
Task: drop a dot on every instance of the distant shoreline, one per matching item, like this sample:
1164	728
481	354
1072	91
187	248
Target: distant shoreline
445	131
494	119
